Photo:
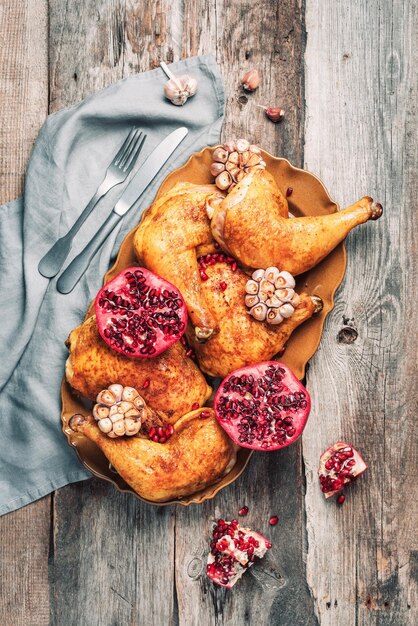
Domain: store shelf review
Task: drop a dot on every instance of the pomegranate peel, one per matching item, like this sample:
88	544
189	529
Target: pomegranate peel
262	407
233	549
339	465
140	314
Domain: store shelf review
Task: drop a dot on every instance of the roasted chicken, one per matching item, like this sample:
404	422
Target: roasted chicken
198	454
167	242
251	223
170	383
241	339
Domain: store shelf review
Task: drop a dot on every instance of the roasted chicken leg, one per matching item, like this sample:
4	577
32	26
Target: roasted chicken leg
166	242
241	339
198	454
170	383
251	224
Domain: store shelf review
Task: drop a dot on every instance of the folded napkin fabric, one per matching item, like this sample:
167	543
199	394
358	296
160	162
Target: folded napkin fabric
68	162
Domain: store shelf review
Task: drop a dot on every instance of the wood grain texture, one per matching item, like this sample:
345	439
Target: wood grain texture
361	95
24	545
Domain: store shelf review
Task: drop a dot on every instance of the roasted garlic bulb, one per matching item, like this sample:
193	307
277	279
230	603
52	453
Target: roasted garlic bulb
119	411
270	295
233	160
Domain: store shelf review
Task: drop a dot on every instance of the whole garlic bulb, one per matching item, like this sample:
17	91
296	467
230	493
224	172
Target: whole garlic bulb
119	411
270	295
233	160
178	89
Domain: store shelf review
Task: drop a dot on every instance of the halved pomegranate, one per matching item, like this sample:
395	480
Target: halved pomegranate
233	550
339	465
140	314
263	406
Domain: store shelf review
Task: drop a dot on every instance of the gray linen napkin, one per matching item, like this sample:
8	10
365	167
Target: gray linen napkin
68	162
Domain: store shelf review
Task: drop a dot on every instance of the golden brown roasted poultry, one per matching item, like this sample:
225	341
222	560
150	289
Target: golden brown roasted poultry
167	242
241	339
170	383
198	454
251	223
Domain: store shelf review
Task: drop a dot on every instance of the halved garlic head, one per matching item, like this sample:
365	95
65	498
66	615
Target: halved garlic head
270	295
119	411
232	161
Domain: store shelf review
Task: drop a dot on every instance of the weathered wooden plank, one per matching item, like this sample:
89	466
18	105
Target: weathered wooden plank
269	37
113	556
24	534
361	94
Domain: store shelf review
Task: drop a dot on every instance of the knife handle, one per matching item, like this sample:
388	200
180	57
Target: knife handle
75	270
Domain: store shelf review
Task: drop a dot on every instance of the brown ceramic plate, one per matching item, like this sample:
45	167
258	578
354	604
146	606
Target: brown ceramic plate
309	197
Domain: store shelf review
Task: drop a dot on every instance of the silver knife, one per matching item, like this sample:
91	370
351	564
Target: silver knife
146	173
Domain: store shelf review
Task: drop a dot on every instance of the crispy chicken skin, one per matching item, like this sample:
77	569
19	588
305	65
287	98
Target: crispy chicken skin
241	339
166	242
251	224
175	382
198	454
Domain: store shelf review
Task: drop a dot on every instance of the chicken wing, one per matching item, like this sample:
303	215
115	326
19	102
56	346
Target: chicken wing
198	454
173	383
251	225
241	339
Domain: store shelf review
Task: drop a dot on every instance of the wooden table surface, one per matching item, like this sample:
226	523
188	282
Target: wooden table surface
345	71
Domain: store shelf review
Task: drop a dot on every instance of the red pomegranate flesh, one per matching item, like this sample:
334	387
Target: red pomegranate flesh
263	406
338	466
233	550
140	314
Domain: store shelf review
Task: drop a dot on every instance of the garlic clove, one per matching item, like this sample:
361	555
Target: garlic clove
119	428
258	275
274	301
274	317
251	287
133	414
220	155
240	175
259	312
265	290
231	186
255	149
229	147
106	397
244	158
285	295
285	279
251	80
100	411
139	403
242	145
295	300
275	114
250	301
132	426
125	406
117	391
286	310
271	273
216	168
129	394
234	157
254	159
223	180
105	425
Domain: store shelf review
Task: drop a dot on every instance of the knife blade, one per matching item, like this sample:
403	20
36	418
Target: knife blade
132	194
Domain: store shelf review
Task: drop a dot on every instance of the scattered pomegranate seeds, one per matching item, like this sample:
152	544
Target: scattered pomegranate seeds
234	266
195	406
341	499
273	520
289	191
243	510
146	383
160	434
222	285
282	351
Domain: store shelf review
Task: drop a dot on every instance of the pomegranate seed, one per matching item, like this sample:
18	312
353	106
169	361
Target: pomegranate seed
289	191
341	499
152	432
203	275
146	384
234	266
189	352
223	285
195	406
243	510
282	351
204	414
217	246
273	520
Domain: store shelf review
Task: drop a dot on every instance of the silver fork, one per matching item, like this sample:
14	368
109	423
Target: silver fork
116	173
